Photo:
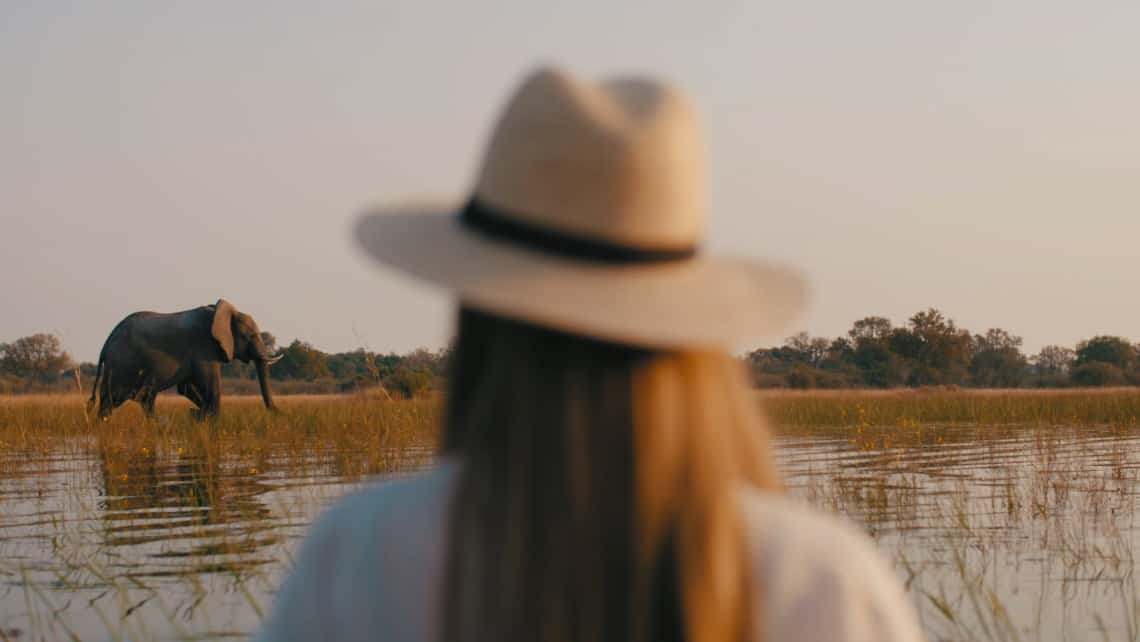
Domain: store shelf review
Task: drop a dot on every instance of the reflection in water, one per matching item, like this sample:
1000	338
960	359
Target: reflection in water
121	535
1000	532
191	504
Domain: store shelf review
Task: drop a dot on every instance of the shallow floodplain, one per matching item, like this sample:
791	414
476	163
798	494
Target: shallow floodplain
176	529
1009	515
1021	527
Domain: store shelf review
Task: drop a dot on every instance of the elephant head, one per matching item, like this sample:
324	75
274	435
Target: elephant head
238	337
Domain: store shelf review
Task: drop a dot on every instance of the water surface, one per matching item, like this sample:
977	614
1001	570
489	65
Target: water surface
999	532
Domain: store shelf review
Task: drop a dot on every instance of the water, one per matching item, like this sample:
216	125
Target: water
98	544
999	534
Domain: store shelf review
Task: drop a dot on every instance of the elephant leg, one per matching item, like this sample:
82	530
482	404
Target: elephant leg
112	398
187	389
105	403
110	394
145	392
207	382
212	394
106	407
146	400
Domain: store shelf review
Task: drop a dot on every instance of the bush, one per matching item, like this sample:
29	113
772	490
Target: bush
1052	380
832	379
322	386
1098	373
408	382
10	385
766	381
801	377
39	358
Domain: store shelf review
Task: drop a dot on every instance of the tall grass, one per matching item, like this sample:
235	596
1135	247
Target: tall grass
960	481
150	524
304	426
953	406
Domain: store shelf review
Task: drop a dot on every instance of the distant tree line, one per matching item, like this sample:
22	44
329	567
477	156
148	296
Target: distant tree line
928	350
32	362
931	350
39	363
405	375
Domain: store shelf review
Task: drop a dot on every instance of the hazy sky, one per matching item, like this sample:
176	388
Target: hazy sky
979	157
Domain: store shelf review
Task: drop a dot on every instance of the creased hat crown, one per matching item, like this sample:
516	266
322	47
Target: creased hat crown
619	162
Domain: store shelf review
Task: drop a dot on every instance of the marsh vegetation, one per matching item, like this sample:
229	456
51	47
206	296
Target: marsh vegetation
1009	515
129	529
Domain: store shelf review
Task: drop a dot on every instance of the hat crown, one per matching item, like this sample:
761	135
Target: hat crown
618	162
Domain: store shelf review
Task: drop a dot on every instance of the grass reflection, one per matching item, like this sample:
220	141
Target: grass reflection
1010	515
141	529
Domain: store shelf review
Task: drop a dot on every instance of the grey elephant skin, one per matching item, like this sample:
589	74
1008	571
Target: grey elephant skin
148	352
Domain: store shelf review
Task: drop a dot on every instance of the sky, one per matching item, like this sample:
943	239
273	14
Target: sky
978	157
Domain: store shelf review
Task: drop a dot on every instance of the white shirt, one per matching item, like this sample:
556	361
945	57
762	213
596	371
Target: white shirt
371	568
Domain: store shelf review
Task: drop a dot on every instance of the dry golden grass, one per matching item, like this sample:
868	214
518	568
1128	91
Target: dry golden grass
1068	407
134	520
372	433
961	481
1000	533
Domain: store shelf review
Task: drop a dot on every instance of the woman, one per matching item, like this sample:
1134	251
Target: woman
604	475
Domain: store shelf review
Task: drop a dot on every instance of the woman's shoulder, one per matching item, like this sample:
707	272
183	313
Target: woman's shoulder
371	561
395	518
787	525
423	492
385	515
821	578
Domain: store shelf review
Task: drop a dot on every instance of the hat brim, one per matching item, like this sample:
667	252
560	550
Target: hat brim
700	302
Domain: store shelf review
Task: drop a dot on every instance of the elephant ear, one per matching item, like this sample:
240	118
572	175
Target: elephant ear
222	327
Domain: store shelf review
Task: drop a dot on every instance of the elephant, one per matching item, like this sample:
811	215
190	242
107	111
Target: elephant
148	352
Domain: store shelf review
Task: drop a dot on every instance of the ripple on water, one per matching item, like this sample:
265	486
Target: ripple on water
998	532
169	542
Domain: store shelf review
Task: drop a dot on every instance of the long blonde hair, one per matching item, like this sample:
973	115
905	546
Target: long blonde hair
598	498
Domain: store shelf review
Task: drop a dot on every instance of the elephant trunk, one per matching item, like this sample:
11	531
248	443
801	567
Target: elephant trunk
263	381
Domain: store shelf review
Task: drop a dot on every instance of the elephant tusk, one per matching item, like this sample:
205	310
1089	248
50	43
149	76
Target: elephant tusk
272	360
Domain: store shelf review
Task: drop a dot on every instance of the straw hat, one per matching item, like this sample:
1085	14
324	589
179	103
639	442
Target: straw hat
587	216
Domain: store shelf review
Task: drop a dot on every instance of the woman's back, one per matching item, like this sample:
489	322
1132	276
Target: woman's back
610	478
372	568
